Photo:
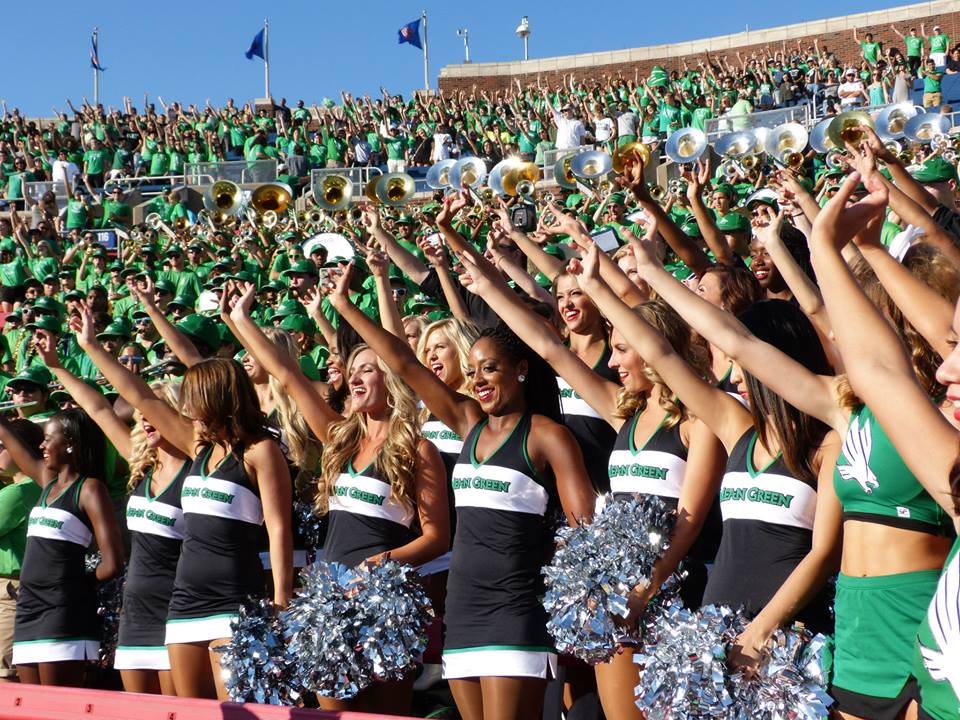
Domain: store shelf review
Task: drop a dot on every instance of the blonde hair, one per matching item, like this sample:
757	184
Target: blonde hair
304	449
396	460
688	345
462	334
144	458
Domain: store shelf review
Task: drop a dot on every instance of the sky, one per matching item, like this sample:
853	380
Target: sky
191	51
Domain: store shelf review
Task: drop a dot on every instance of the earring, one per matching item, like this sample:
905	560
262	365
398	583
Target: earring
521	378
69	450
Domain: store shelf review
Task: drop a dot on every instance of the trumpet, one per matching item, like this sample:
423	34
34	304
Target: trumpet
269	219
526	189
180	223
749	162
13	405
396	189
313	217
658	193
623	154
677	187
730	170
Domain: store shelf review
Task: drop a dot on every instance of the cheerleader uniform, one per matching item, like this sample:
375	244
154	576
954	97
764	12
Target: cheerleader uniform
872	661
156	529
593	434
658	468
449	445
56	617
299	545
936	660
767	530
219	566
495	624
365	517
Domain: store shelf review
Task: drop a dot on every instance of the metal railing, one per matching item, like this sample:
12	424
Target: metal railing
717	127
238	171
34	190
147	185
359	176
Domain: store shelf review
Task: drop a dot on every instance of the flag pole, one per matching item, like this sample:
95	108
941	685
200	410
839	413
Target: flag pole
266	58
426	61
96	71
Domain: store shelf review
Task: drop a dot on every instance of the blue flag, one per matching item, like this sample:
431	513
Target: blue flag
94	55
256	47
410	33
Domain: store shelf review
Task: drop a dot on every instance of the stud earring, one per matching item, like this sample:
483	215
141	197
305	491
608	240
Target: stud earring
521	378
69	450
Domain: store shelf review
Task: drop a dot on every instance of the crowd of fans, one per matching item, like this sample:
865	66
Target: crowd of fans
772	352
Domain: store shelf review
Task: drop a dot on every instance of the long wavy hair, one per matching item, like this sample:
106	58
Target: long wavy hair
461	334
219	393
396	460
303	448
144	458
686	343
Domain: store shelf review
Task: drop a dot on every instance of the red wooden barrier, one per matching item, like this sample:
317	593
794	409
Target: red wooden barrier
35	702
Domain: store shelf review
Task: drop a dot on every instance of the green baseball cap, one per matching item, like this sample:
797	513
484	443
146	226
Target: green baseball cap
164	285
733	222
302	267
36	375
185	301
200	327
935	170
73	295
421	300
272	285
45	322
114	329
288	307
47	305
298	323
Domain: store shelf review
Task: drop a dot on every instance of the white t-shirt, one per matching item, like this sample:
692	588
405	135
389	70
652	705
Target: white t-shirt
627	123
569	132
63	172
603	129
845	87
441	147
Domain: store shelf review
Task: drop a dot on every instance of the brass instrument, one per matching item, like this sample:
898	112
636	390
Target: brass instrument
526	189
153	221
834	159
526	173
658	193
924	128
272	196
223	196
730	169
686	145
313	217
370	190
333	192
892	120
623	154
786	144
736	144
396	189
438	176
468	172
847	127
750	162
677	187
591	165
268	219
181	223
819	140
563	175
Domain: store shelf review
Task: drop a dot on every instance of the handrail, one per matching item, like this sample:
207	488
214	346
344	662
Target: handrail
238	171
359	176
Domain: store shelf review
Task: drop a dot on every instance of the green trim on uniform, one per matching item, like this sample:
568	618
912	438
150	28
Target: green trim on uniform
524	648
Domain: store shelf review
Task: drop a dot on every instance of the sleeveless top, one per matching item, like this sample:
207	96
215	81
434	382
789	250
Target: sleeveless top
768	517
156	526
365	517
593	434
658	468
936	662
503	539
873	483
57	598
219	564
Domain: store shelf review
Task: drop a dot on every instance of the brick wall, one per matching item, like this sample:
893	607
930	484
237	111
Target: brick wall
834	35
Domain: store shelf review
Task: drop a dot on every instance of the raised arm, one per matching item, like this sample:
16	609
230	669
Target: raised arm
724	415
808	392
883	378
179	344
32	467
89	399
401	257
317	413
379	265
455	410
173	426
601	394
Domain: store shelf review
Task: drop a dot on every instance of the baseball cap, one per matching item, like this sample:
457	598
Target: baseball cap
36	375
45	322
302	267
298	323
935	170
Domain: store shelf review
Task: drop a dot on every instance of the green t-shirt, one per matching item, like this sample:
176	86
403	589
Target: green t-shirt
16	501
95	161
914	45
870	51
939	43
159	164
115	213
13	273
121	156
396	147
336	148
931	82
669	117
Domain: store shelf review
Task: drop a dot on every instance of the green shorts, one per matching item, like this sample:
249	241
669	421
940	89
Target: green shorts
876	627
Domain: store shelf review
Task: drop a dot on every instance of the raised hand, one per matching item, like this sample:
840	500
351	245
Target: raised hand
46	345
379	264
837	224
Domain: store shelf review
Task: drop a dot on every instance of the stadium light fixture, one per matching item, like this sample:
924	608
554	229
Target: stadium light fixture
523	32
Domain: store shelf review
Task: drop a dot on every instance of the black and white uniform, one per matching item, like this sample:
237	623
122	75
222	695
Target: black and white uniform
593	434
495	624
449	445
365	517
299	546
156	532
657	468
56	617
219	566
768	519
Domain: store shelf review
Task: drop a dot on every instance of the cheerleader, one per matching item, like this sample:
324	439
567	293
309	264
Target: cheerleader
659	450
885	380
237	482
380	481
154	520
515	462
57	629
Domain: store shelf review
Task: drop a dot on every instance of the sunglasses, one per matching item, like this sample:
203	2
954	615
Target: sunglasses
136	359
142	321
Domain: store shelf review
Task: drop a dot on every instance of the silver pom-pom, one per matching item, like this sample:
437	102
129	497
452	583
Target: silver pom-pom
789	683
254	663
109	600
308	526
684	672
595	568
350	627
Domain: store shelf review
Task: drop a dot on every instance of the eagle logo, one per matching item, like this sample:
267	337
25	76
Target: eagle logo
856	450
943	617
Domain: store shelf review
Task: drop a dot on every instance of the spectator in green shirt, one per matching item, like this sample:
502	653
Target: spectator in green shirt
939	42
94	163
914	46
869	50
931	85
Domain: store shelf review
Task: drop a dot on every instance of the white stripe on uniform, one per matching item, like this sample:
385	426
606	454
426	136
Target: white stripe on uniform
497	488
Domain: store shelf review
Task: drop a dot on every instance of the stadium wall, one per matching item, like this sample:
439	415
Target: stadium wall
834	34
